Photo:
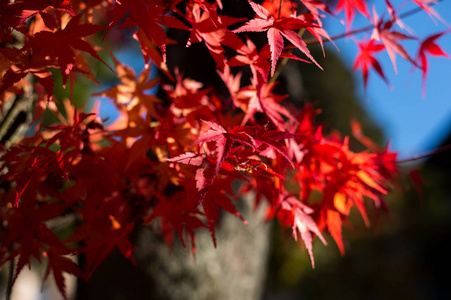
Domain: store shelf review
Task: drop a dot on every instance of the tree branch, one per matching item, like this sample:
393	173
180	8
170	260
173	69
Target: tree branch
314	41
425	155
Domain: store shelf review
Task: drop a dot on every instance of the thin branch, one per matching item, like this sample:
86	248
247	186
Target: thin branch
314	41
425	155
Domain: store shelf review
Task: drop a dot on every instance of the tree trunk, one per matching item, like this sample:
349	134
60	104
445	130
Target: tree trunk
236	269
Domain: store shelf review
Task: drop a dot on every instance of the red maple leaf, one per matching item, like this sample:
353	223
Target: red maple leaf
314	5
27	231
251	136
29	9
390	39
258	61
317	32
215	198
23	62
262	99
259	141
26	164
179	212
334	224
276	30
149	16
150	52
59	264
279	9
132	94
233	83
365	59
426	6
394	18
100	245
211	28
429	46
350	6
249	55
298	214
223	144
61	44
10	16
189	158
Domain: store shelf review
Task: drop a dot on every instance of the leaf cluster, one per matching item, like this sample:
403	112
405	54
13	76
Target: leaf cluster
171	162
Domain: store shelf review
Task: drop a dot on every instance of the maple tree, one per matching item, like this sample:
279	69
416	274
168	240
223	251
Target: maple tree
173	160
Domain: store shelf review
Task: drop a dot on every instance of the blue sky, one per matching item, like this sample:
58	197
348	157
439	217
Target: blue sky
413	124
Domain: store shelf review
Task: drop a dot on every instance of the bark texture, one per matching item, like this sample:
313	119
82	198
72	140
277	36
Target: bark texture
236	269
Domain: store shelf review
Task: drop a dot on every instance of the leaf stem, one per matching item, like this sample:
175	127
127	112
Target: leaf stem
280	8
283	61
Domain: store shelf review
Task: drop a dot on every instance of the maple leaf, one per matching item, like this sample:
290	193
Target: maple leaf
256	166
365	60
217	197
26	229
61	44
426	6
301	221
190	101
149	16
390	39
334	224
429	46
29	9
317	32
24	62
262	99
394	18
276	30
250	136
74	136
132	93
211	28
313	6
98	248
107	219
249	55
350	6
232	82
258	140
271	139
26	164
179	211
10	15
58	264
189	158
356	129
284	8
223	144
149	52
258	61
